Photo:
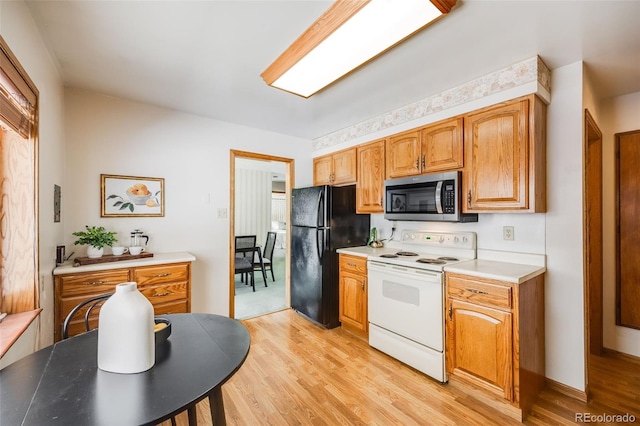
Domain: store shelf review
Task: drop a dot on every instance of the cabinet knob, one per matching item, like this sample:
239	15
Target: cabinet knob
423	163
95	282
166	274
417	163
469	198
166	293
450	312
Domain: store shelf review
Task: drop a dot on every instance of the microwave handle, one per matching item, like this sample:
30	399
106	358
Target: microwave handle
439	197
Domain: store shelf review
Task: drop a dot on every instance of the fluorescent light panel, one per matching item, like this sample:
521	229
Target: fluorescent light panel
376	27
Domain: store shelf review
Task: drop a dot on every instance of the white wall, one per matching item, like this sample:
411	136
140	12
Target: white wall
22	36
620	114
107	135
564	288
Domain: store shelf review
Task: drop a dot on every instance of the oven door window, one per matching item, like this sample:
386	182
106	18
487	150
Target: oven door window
412	199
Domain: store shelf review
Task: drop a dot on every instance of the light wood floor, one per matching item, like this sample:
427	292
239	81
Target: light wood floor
300	374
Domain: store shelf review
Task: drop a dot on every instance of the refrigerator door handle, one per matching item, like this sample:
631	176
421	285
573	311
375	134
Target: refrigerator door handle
319	243
320	214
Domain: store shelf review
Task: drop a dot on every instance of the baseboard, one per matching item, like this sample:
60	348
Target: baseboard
567	390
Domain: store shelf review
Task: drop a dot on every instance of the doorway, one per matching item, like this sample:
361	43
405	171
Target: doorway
267	161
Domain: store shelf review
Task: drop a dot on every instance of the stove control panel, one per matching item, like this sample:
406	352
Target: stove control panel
460	240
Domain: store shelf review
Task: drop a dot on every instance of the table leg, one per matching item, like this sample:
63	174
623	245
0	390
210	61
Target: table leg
193	418
217	407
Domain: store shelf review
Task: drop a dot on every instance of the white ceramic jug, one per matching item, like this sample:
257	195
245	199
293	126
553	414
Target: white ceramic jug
126	343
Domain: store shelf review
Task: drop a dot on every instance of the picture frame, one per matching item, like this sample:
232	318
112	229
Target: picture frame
398	202
126	196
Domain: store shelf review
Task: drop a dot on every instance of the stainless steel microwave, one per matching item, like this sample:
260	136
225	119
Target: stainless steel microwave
431	197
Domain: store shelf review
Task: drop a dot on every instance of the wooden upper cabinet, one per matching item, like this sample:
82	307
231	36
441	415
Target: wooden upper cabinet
442	146
403	155
434	148
371	172
338	168
322	170
505	157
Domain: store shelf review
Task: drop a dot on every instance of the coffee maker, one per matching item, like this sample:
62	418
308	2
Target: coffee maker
137	237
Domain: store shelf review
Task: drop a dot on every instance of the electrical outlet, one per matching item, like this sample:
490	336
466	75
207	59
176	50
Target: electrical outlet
508	233
222	213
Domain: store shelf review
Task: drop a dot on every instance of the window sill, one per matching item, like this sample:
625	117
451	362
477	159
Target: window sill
13	326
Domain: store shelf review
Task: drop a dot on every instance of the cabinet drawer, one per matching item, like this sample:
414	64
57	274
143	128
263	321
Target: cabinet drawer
158	294
160	274
93	283
354	264
479	292
180	307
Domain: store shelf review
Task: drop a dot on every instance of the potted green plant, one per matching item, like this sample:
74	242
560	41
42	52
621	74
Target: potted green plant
96	237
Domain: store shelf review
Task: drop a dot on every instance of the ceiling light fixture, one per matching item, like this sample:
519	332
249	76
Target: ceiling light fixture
349	34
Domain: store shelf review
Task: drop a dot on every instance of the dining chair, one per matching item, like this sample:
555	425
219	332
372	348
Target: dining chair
88	305
242	242
244	263
267	255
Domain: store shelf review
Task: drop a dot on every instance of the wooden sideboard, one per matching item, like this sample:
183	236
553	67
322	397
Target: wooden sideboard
165	279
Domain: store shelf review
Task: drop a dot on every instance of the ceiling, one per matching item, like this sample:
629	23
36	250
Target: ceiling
205	57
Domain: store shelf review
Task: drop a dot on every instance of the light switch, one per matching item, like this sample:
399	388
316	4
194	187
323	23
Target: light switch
222	213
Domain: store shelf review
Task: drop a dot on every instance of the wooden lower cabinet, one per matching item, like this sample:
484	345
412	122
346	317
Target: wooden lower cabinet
167	286
353	294
495	339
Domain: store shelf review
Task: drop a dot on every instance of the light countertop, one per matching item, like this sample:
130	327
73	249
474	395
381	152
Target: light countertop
520	267
157	259
503	271
366	251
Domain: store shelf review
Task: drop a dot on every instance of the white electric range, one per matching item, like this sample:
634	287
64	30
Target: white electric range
406	296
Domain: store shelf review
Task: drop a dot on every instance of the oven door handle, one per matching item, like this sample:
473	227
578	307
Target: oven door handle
374	267
439	197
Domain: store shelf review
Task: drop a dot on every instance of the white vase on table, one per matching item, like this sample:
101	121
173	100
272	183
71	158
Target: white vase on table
126	340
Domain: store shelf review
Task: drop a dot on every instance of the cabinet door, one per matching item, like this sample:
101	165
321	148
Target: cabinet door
403	155
497	158
353	306
442	147
370	182
344	167
322	170
479	346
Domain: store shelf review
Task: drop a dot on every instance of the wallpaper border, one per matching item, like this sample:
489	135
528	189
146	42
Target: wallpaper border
518	74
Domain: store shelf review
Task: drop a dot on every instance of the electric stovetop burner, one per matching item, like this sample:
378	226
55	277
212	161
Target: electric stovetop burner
431	261
389	255
406	253
449	259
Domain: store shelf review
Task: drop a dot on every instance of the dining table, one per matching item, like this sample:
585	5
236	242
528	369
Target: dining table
62	384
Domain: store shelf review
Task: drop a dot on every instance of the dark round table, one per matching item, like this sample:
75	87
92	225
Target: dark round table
62	385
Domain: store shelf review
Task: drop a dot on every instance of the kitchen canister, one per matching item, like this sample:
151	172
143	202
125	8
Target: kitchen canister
126	343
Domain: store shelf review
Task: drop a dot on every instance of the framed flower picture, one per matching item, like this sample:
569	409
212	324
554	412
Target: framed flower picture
124	196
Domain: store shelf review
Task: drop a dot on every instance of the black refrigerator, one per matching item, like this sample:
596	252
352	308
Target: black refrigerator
323	219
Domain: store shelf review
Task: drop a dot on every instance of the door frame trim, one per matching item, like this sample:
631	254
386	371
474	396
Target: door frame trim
592	134
289	184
